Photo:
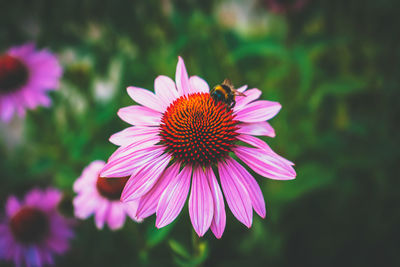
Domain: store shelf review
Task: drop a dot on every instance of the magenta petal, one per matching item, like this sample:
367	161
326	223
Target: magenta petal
145	98
139	115
265	164
201	206
256	142
116	217
251	95
148	203
133	134
182	78
12	205
165	89
127	164
262	128
219	220
101	214
142	181
257	111
256	196
236	195
199	85
130	208
173	198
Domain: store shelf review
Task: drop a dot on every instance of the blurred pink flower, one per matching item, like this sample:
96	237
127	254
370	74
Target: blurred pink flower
285	6
25	76
100	196
180	133
33	229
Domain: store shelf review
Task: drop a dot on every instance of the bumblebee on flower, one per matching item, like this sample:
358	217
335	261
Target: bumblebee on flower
179	134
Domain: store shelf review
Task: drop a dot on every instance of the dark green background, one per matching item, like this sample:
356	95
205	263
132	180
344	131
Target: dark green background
334	67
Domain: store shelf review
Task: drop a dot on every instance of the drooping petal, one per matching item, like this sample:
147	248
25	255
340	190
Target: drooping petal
124	164
250	95
182	79
146	98
165	89
262	128
148	203
139	115
85	204
173	198
199	85
143	180
219	220
201	206
116	216
265	164
256	142
101	214
255	194
133	134
130	208
236	195
257	111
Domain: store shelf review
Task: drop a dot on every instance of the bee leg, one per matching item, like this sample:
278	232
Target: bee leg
232	104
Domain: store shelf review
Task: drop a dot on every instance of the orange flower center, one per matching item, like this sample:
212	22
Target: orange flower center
13	73
196	129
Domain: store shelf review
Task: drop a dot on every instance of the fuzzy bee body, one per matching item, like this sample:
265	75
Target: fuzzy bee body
226	93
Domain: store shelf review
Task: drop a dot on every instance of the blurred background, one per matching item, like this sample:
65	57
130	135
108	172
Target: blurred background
333	65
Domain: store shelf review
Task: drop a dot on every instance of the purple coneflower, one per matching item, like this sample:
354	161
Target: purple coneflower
25	76
180	135
101	197
285	6
33	229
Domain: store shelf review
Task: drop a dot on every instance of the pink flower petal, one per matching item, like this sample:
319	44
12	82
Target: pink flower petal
85	204
139	115
130	208
182	78
255	194
201	206
265	164
262	128
173	198
165	89
236	195
133	134
146	98
6	110
242	88
251	95
143	180
101	214
116	216
219	220
130	160
199	85
257	111
258	143
12	206
148	203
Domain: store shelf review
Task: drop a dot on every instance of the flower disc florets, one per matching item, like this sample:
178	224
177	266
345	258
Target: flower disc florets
196	129
13	73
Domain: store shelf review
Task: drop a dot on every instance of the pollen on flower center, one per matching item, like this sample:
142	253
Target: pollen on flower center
29	225
13	73
111	188
196	129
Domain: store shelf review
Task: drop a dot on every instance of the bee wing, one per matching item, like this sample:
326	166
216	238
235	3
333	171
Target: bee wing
236	92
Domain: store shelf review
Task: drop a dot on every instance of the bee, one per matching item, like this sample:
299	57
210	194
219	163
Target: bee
226	93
